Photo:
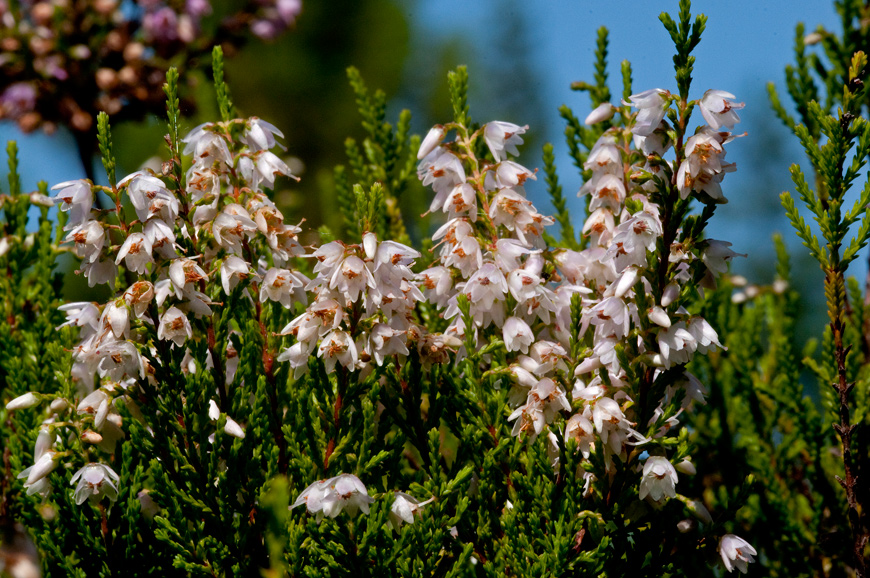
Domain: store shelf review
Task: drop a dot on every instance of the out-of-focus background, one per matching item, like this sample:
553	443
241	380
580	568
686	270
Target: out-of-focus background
522	58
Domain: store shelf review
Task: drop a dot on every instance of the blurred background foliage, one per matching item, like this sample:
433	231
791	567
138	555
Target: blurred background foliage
299	83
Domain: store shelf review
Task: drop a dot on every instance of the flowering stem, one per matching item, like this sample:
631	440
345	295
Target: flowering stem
219	371
412	410
477	180
271	384
835	289
341	374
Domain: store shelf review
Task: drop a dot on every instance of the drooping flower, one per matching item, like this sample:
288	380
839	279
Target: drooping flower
135	252
233	270
404	509
95	481
89	239
175	326
76	197
719	109
652	105
260	135
736	553
503	137
517	334
658	480
329	498
338	346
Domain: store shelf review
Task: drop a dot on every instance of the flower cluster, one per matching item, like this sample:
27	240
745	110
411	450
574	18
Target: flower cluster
588	333
49	63
591	341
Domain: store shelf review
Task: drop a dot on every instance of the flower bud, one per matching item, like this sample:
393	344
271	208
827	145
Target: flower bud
234	429
370	244
658	316
91	437
686	467
432	140
58	405
700	511
25	401
684	526
43	466
670	294
602	112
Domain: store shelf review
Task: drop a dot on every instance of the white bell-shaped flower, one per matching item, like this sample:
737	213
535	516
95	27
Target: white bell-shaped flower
174	326
95	481
658	480
719	109
135	252
736	553
503	137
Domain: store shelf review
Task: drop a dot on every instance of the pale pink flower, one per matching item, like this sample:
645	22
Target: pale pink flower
283	286
385	341
99	272
81	314
89	239
676	345
338	346
607	190
436	283
736	553
351	278
150	197
75	197
659	478
232	226
206	146
517	334
262	168
404	509
136	253
719	109
503	137
652	105
162	238
511	174
116	318
329	498
259	134
174	326
442	170
95	481
233	270
461	202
